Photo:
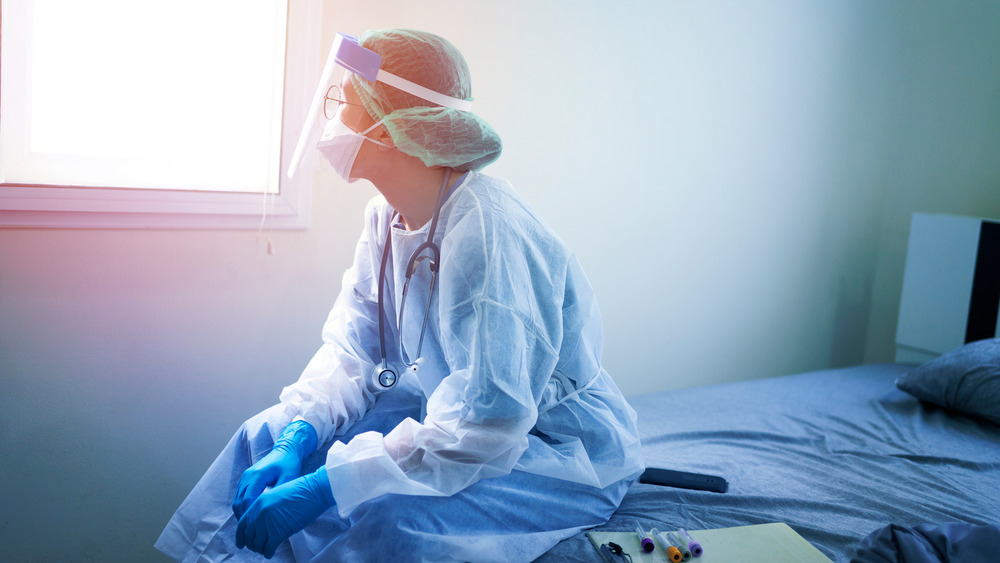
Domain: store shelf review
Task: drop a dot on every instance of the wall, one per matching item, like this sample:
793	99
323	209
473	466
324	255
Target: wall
942	150
736	179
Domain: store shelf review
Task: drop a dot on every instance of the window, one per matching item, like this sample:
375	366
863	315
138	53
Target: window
116	113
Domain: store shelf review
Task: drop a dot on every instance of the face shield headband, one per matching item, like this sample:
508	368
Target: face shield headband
347	53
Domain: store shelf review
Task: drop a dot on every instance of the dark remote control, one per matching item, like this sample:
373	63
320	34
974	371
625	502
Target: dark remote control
684	480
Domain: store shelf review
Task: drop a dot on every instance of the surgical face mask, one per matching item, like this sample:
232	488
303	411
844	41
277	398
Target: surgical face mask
340	145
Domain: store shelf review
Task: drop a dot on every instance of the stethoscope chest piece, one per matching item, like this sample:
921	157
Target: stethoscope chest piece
384	377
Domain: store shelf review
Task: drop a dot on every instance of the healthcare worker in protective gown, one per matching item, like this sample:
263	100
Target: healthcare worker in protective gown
470	420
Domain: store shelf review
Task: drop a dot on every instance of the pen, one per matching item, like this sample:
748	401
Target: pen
647	544
694	546
675	539
672	552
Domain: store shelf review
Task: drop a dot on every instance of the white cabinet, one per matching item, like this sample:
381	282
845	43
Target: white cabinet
951	285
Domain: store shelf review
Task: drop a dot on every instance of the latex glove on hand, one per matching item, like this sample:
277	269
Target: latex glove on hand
283	511
282	464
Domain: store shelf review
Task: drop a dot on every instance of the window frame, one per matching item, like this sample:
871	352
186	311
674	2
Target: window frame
66	206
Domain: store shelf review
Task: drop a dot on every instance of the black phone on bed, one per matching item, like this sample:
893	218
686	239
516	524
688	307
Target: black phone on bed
684	480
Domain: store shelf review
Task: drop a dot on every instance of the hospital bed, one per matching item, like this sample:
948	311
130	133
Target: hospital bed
835	454
842	453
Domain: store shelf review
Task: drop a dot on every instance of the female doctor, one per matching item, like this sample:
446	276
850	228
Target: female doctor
457	409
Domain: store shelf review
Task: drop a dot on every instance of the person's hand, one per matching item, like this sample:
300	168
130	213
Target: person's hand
282	464
283	511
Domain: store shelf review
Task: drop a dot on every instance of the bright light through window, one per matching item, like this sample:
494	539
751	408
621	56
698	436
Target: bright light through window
179	95
153	114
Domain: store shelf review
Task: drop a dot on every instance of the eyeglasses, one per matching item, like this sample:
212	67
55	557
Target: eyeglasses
331	102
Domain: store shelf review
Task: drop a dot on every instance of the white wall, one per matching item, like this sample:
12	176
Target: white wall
736	178
943	149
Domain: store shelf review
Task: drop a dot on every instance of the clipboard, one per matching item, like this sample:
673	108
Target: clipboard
776	542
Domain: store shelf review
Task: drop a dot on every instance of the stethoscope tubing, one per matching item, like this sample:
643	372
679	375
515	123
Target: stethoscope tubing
411	268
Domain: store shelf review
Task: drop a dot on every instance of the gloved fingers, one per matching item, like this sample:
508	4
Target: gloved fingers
270	547
257	536
250	487
241	528
261	539
277	467
281	512
284	477
254	530
251	532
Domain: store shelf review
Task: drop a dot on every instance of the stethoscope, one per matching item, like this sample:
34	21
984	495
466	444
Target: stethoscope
383	376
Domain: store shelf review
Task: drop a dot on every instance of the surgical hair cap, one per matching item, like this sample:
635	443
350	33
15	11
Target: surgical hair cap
437	135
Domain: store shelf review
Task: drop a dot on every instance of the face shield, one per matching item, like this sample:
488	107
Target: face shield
348	56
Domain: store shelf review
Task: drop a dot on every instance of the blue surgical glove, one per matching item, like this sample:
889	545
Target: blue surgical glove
282	511
282	464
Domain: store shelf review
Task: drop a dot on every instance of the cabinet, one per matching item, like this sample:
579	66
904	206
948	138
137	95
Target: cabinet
951	285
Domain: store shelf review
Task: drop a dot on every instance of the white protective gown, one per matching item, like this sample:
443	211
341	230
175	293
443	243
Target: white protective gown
512	359
526	440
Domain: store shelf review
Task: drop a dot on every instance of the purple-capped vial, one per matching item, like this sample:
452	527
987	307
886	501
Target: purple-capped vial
647	543
694	546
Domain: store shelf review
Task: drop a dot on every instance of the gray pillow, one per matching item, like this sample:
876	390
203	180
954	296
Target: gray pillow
966	380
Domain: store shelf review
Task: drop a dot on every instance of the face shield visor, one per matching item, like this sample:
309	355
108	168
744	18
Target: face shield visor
348	56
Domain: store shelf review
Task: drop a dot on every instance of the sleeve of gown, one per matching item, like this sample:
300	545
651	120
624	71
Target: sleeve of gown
333	390
499	355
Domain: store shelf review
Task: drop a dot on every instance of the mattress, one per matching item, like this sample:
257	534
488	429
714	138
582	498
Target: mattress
835	454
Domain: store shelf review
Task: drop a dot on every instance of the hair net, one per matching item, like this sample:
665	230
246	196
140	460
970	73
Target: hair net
437	135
